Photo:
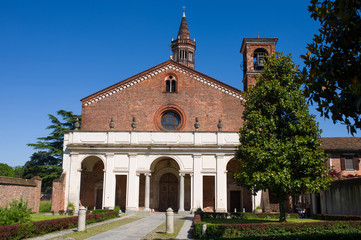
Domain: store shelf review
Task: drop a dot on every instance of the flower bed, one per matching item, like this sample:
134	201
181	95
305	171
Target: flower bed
19	231
281	231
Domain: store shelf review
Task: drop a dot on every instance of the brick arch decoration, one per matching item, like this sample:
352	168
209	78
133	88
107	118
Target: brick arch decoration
159	113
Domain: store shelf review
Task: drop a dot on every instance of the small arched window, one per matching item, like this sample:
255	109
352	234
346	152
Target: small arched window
170	84
259	59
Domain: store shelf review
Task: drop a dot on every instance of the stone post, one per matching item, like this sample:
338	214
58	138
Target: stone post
169	219
81	218
147	192
181	194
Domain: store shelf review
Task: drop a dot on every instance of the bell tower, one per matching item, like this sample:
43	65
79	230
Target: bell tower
183	47
254	52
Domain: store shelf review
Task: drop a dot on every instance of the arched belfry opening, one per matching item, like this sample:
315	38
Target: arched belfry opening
239	198
91	186
259	58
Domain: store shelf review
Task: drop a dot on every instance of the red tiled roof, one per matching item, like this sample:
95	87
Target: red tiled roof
341	143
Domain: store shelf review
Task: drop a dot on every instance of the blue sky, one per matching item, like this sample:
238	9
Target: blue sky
53	53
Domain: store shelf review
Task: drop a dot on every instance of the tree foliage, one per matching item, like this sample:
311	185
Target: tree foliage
53	143
280	140
45	166
47	162
332	75
7	171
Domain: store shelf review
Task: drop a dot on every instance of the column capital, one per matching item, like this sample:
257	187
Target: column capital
108	154
148	174
132	154
182	174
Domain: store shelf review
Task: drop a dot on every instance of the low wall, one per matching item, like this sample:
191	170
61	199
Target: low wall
343	197
14	188
58	194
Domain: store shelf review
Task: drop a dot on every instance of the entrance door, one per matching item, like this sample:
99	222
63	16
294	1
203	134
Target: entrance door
168	192
236	201
99	199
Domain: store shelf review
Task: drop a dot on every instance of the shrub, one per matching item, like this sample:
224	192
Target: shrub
18	231
117	210
335	217
16	211
283	231
70	210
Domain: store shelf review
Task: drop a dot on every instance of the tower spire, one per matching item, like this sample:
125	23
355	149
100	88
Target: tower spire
183	47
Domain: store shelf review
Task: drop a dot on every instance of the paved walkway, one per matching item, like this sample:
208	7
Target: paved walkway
134	230
186	231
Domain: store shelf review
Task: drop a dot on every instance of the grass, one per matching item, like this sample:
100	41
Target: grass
92	231
159	232
41	217
256	220
45	206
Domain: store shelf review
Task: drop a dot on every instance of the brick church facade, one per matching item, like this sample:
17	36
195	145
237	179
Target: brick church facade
163	138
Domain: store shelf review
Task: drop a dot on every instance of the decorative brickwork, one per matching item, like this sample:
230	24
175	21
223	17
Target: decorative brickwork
142	95
14	188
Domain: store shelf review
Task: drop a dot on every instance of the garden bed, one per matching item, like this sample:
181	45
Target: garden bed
25	230
249	226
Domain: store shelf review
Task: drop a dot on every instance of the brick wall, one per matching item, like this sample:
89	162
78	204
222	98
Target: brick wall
14	188
58	194
145	98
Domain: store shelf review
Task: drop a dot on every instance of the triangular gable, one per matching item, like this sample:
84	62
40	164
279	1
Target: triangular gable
129	82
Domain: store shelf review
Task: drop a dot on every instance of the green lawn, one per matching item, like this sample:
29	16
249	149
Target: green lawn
41	217
45	206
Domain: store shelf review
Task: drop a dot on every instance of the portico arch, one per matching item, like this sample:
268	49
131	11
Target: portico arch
238	197
91	186
164	191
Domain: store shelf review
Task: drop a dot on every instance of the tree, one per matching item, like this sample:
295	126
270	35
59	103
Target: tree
47	162
332	75
53	143
6	170
280	140
45	166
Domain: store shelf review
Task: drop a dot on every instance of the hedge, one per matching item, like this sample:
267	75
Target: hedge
243	215
281	231
19	231
335	217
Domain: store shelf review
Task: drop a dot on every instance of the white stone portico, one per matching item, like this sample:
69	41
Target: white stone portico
135	166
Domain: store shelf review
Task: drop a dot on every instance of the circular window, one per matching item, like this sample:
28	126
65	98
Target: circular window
170	120
169	117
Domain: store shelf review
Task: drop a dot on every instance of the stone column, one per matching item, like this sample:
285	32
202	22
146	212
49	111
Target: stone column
191	175
147	192
221	185
109	183
181	194
198	178
132	185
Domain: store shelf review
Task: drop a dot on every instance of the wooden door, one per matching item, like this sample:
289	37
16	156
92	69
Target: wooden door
168	192
236	201
99	199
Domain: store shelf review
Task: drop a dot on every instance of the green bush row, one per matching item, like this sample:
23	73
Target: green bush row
243	215
26	230
335	217
283	231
